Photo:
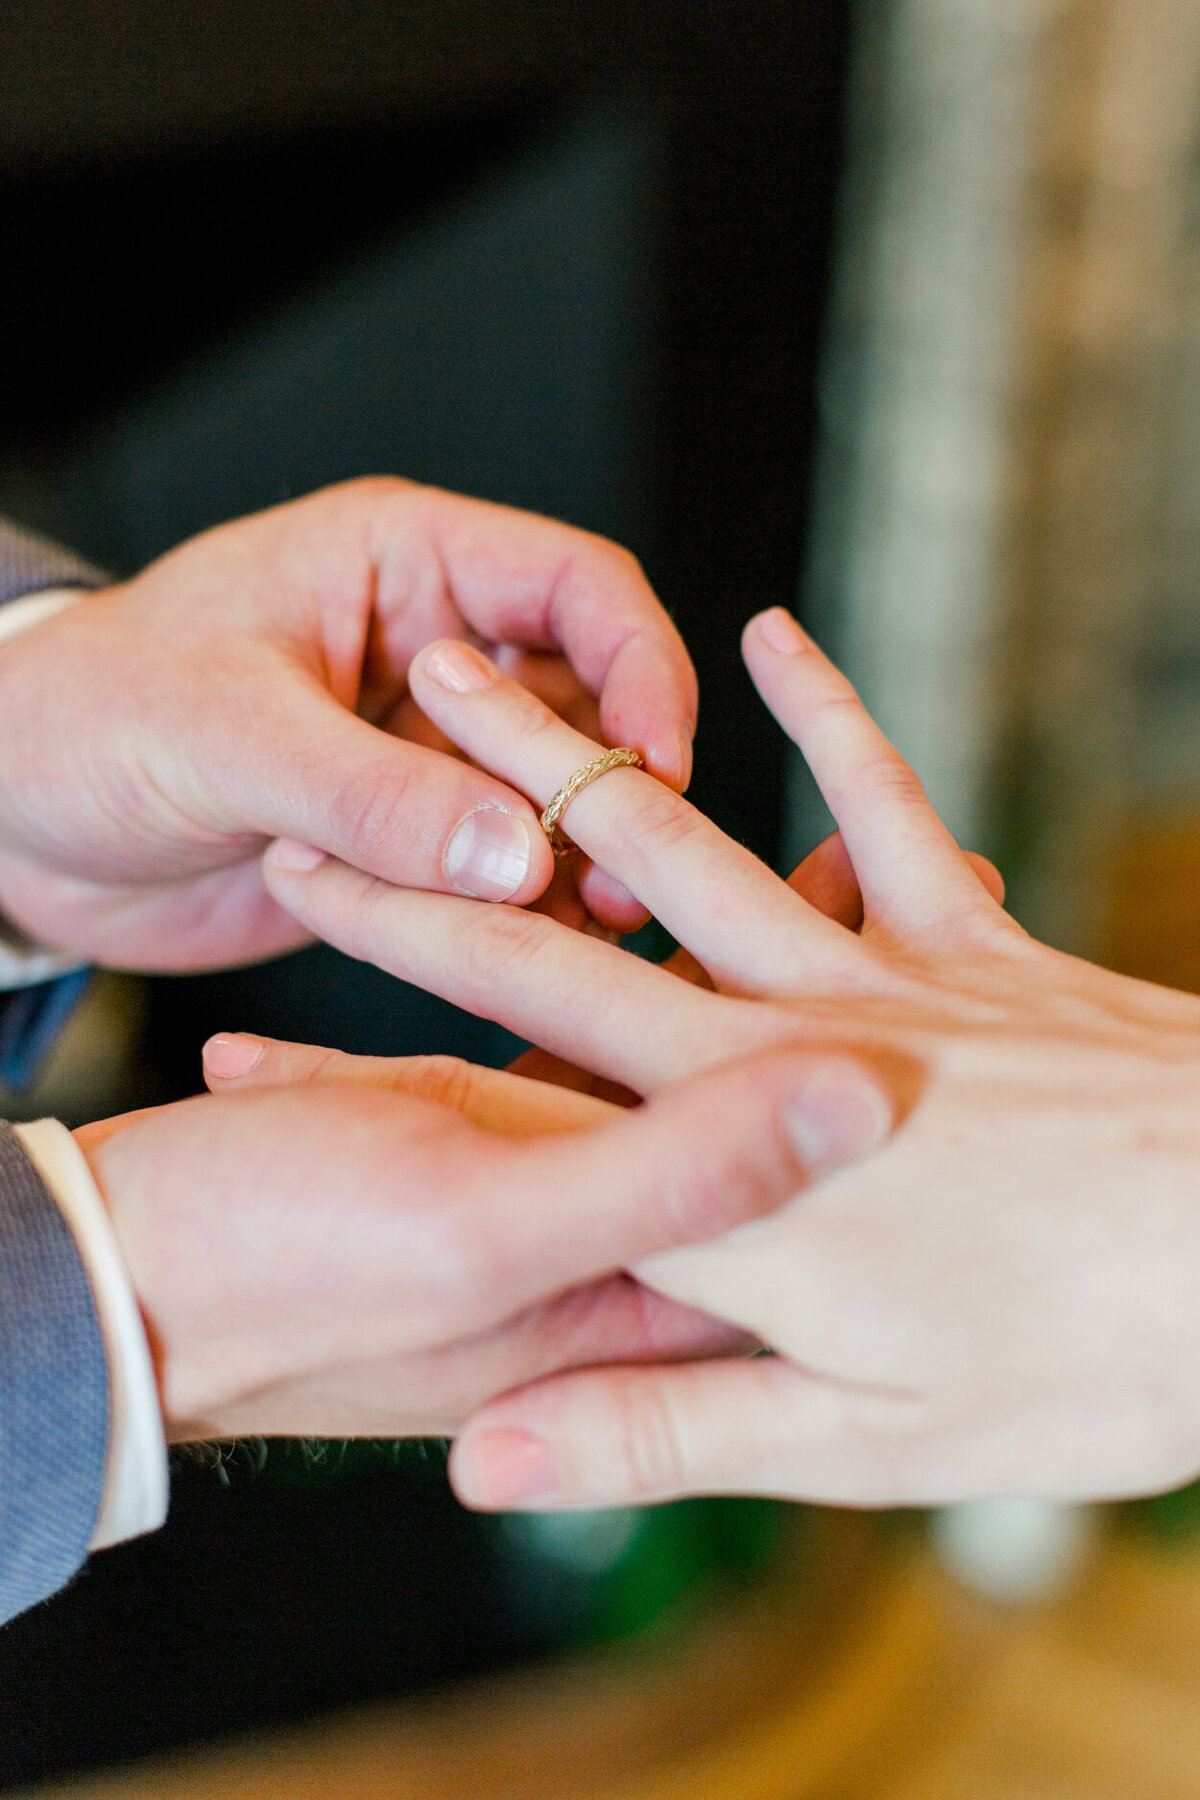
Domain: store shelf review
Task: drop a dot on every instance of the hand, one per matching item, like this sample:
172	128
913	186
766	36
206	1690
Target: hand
1001	1300
251	686
336	1260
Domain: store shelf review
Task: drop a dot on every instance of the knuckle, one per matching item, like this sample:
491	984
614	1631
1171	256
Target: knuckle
625	563
662	820
528	715
323	1065
890	778
372	809
449	1080
495	948
608	554
648	1436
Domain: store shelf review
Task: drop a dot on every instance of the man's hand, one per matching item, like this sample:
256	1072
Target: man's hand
252	685
330	1259
1003	1299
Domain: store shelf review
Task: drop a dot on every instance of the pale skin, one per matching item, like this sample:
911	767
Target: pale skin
367	1261
356	1260
254	682
1001	1299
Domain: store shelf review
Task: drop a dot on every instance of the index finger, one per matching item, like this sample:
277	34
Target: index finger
711	893
535	582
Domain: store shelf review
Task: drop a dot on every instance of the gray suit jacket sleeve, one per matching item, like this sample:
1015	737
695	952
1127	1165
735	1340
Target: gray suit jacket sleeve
29	564
54	1396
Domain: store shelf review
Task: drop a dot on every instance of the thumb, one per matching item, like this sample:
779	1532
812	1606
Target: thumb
699	1159
630	1436
409	813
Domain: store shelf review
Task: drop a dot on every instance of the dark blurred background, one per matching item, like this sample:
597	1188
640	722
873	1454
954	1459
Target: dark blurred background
570	257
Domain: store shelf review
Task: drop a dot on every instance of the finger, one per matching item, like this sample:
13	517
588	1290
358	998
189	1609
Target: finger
554	682
605	900
617	1320
826	879
627	1436
910	870
705	888
430	1394
496	1099
609	901
989	874
539	1065
400	810
699	1159
613	1320
575	995
542	585
557	686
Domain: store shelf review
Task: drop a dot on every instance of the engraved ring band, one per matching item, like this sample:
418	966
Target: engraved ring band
560	843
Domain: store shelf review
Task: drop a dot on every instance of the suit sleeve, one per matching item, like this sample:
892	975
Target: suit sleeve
54	1391
31	1018
29	564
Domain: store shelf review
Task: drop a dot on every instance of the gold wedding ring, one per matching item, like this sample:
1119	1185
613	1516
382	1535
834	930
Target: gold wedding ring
560	843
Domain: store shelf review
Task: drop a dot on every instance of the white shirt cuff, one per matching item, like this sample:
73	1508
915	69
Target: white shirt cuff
136	1479
22	615
24	964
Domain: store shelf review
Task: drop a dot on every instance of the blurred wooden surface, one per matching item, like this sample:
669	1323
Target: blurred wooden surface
866	1674
1153	924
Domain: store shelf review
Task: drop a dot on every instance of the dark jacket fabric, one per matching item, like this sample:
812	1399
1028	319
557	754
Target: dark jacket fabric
54	1390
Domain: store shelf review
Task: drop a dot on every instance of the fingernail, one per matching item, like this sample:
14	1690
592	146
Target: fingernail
488	855
294	857
460	668
836	1118
500	1468
779	631
229	1058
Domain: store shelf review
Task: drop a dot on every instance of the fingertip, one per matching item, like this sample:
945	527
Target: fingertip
503	1466
231	1056
988	874
610	902
777	630
670	760
289	856
454	666
494	854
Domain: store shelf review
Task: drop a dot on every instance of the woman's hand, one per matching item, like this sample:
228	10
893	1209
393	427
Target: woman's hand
1002	1299
254	683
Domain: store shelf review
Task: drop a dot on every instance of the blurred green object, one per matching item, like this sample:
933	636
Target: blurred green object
1170	1518
605	1576
677	1551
